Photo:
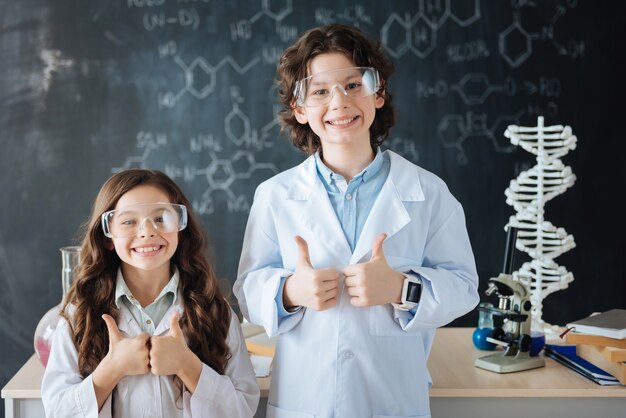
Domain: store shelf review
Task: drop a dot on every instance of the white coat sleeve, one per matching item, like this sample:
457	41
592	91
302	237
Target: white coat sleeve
260	270
234	394
64	392
449	278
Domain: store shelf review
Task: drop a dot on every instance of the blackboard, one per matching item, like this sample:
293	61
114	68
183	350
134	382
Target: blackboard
91	87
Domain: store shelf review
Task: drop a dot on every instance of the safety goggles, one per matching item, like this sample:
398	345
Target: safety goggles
318	89
129	221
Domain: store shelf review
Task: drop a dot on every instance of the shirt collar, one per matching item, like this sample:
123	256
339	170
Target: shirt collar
322	169
368	172
121	289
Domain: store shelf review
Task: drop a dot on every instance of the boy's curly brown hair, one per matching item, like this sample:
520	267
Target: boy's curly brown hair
294	64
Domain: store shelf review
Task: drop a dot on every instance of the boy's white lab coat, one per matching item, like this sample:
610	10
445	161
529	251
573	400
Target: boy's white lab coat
349	362
65	393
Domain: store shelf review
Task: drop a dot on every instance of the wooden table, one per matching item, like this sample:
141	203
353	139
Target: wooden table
22	394
462	390
459	389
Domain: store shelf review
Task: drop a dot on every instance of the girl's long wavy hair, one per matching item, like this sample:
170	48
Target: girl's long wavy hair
206	319
294	66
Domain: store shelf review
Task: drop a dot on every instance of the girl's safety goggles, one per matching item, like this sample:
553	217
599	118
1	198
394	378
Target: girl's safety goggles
318	89
129	221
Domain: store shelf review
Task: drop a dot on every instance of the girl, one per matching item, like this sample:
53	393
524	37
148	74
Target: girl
145	328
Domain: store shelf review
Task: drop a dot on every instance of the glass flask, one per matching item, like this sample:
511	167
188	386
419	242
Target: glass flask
485	328
70	257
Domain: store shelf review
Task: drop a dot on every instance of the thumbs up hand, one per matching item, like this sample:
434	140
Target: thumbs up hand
308	287
129	356
373	282
169	352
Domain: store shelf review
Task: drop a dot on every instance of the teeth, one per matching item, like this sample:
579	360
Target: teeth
341	122
146	249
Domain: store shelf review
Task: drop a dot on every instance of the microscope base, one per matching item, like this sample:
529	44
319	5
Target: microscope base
500	363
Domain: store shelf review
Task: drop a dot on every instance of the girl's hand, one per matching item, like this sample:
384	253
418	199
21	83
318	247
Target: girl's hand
128	356
170	355
167	352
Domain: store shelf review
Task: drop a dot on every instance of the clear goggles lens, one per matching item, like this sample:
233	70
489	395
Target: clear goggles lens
129	221
318	89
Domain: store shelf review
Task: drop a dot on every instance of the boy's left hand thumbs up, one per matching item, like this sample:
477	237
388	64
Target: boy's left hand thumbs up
377	247
373	282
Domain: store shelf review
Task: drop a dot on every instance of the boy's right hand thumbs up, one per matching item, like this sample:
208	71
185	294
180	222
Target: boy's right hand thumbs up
316	289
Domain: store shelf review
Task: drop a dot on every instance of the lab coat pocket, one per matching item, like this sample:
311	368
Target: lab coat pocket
383	323
275	412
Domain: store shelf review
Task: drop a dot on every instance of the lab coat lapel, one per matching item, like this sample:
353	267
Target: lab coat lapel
317	212
388	214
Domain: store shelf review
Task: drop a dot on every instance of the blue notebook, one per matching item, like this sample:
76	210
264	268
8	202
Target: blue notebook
566	355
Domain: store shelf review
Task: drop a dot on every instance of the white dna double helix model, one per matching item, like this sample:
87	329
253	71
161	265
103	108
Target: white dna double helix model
528	194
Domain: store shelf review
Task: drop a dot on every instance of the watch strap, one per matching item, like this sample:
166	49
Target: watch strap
411	289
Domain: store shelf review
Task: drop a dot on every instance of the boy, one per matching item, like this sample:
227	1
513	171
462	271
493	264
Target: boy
355	256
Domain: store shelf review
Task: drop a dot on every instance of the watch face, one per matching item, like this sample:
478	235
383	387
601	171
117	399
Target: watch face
413	292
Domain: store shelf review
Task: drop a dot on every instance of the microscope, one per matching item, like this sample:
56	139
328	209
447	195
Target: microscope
514	311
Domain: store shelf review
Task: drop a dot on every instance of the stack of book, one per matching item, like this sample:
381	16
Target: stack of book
260	347
600	342
566	355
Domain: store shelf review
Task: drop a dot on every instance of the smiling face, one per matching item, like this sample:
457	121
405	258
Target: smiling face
149	250
344	121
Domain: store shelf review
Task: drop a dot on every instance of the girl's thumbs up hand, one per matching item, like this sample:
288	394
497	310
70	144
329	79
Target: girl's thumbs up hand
128	356
175	330
169	353
114	333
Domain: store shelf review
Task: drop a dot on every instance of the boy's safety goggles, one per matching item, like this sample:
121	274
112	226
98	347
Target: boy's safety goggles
318	89
129	221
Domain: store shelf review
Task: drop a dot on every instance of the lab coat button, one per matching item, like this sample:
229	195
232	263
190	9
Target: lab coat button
348	196
348	354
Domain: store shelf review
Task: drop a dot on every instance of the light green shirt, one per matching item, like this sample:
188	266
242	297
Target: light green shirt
149	317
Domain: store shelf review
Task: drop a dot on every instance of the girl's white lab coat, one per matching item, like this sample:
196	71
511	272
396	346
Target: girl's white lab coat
65	393
349	362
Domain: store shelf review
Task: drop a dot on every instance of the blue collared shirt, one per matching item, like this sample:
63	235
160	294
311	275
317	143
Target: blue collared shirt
352	201
149	317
